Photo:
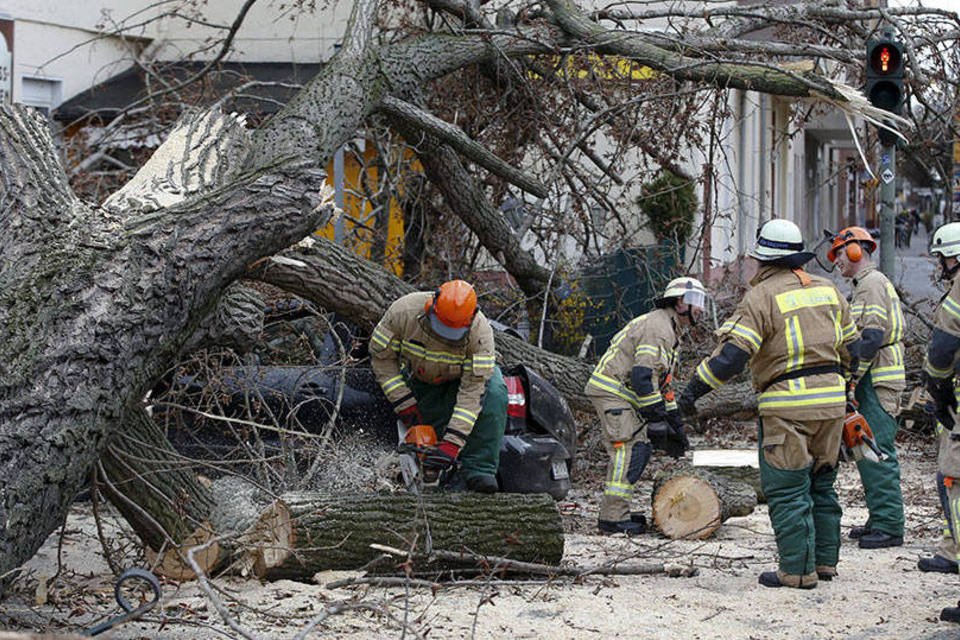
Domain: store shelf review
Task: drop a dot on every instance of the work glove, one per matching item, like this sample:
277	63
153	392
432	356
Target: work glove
944	400
669	438
410	416
653	413
440	458
686	403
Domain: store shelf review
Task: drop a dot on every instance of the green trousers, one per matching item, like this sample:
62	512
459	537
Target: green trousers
805	514
481	454
881	480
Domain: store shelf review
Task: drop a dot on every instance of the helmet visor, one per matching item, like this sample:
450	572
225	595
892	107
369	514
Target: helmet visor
695	299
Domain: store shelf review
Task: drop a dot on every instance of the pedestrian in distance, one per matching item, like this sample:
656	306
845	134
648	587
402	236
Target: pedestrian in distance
795	332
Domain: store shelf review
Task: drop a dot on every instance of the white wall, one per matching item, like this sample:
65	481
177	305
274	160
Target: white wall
68	41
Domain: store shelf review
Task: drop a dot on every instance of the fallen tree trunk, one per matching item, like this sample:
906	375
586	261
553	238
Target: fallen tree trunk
741	465
691	503
304	532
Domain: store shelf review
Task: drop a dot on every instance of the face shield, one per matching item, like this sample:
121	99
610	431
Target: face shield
696	299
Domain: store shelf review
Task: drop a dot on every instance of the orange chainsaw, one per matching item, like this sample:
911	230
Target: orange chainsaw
411	446
858	442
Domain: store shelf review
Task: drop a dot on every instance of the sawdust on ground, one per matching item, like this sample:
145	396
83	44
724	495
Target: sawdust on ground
878	594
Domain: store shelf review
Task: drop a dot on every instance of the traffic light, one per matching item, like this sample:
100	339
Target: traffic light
885	77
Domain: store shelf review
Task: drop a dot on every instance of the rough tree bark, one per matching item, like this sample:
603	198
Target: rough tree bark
96	304
303	533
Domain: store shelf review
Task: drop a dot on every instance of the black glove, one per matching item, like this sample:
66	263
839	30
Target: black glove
944	400
669	438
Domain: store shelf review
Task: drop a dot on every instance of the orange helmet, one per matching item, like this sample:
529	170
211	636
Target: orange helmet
451	309
851	238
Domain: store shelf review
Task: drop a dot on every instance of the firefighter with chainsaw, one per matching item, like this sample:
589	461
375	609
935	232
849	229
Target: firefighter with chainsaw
875	307
630	389
433	356
796	333
939	373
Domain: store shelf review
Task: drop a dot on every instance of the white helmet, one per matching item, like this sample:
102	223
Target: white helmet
777	239
946	240
690	290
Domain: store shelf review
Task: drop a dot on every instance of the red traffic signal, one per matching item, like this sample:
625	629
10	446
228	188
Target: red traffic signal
886	59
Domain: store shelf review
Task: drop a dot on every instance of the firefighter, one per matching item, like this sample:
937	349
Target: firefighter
876	310
940	381
630	389
433	356
790	327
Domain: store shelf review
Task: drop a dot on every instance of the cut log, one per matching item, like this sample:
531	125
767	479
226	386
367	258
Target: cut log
742	465
303	533
692	503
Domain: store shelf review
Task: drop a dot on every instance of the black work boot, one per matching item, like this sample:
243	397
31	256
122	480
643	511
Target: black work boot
639	518
628	527
951	614
482	483
938	564
859	531
879	540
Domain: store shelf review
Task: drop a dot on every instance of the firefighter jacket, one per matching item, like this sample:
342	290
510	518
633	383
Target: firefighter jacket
792	326
875	308
648	341
402	345
945	341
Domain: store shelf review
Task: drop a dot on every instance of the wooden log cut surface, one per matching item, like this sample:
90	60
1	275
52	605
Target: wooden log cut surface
305	532
692	503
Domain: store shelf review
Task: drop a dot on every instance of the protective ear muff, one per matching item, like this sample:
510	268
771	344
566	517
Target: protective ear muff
431	304
854	251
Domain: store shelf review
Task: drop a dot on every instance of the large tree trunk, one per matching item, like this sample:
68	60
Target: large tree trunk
303	533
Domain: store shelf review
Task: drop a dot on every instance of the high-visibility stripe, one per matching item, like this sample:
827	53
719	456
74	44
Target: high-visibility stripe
876	311
805	298
896	320
670	405
646	350
649	399
392	384
849	331
808	397
459	413
934	372
381	340
610	385
616	485
794	343
951	307
422	353
705	374
747	334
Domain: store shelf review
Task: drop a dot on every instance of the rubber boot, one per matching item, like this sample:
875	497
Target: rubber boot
628	527
938	564
951	614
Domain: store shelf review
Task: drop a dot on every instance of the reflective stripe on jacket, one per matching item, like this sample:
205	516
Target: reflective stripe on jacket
786	325
876	305
946	318
402	344
650	341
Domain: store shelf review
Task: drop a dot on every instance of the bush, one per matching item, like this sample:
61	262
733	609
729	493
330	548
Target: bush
669	202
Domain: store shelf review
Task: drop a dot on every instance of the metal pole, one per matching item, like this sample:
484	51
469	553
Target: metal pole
888	192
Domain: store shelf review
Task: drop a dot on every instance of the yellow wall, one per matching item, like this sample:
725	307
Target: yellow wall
358	223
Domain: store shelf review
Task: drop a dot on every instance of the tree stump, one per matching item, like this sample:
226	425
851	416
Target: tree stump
692	503
742	465
305	532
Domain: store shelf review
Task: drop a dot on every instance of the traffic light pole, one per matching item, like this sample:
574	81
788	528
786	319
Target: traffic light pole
888	193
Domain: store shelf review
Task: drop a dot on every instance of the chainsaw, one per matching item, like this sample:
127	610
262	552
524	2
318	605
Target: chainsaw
858	442
412	446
